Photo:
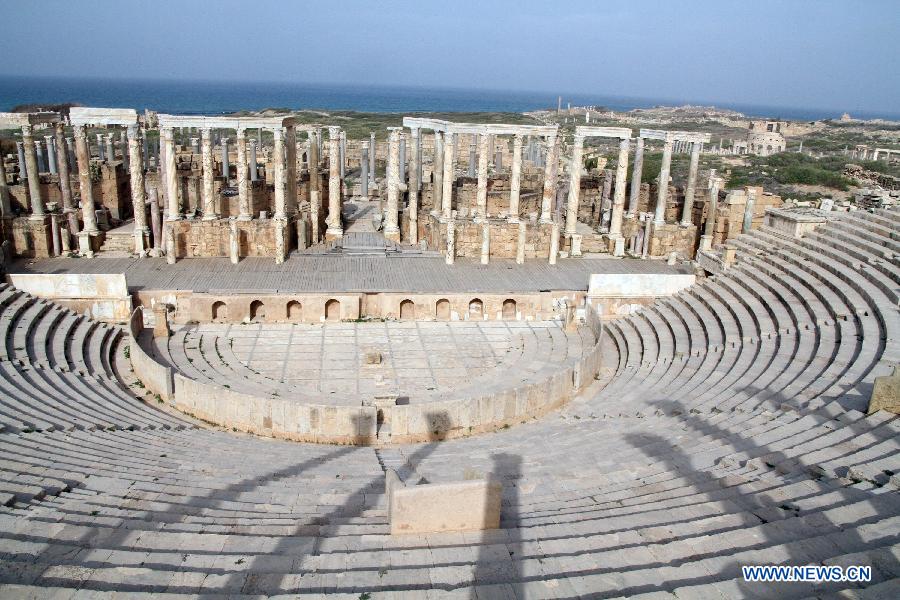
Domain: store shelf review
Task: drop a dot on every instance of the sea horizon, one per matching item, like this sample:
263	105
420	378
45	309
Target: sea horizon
221	97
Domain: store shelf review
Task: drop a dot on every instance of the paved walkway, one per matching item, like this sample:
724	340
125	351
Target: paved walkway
340	273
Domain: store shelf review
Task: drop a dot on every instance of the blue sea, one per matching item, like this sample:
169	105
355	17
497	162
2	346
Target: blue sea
212	97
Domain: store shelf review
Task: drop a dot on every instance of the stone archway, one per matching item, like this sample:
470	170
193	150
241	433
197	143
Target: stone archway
476	309
219	312
294	311
257	311
407	310
333	310
509	310
442	310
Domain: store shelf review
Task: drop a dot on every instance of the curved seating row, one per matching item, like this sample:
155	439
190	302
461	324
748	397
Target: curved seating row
729	430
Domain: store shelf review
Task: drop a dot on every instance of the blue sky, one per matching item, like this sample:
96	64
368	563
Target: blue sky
823	54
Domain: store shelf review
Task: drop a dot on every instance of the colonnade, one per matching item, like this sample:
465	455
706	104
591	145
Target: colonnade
444	164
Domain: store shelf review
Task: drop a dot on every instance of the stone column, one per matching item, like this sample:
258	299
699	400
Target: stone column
691	186
413	187
449	174
55	234
663	191
575	167
101	153
618	208
155	224
243	185
363	171
51	155
554	243
373	151
520	243
645	249
391	230
39	153
335	225
515	177
748	211
233	247
637	172
174	210
481	191
31	167
450	255
437	174
254	168
110	148
83	157
226	167
5	208
315	191
485	243
403	158
138	198
123	142
65	182
473	158
278	162
23	169
170	232
209	185
290	141
709	229
342	150
549	190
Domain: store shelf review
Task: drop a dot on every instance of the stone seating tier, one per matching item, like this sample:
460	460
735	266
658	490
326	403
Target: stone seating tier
727	427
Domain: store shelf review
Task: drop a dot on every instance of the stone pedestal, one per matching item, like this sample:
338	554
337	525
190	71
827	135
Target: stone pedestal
161	321
84	244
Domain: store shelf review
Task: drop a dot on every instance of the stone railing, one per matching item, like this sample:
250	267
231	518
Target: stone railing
156	377
275	417
287	418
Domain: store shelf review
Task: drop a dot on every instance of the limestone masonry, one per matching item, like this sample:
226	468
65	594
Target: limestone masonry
249	356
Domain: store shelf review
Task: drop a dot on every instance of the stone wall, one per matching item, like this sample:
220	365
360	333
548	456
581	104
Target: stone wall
156	377
195	238
311	308
103	297
673	237
504	237
29	237
494	409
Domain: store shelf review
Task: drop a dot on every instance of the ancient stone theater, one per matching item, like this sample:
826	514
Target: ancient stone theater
252	355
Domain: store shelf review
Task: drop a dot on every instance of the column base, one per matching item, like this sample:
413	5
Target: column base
617	245
512	220
212	217
245	217
545	220
392	235
705	243
174	217
334	233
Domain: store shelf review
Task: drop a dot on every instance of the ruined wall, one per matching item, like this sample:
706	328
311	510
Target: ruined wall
196	238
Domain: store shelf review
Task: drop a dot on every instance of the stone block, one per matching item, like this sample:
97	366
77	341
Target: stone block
444	507
886	393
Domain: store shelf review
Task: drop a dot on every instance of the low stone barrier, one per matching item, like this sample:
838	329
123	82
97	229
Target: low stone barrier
289	419
275	417
103	297
440	507
156	377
